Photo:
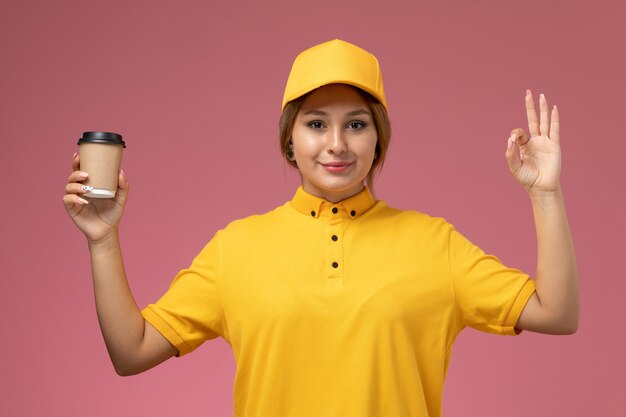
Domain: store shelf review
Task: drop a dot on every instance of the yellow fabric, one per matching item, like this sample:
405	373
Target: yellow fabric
331	62
370	336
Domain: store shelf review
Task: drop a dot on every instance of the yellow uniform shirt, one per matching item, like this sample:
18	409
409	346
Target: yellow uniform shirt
343	309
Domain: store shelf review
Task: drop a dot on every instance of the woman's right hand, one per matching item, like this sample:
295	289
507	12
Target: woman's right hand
97	218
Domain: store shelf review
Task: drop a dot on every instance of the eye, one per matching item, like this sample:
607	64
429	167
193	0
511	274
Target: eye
355	125
316	124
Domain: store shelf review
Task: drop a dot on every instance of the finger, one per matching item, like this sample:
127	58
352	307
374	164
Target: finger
544	123
531	115
554	125
512	157
71	200
77	176
77	188
519	136
76	162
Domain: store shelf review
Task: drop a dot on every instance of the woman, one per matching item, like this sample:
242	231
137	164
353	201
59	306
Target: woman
335	303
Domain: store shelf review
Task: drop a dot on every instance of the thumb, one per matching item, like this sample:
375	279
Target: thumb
121	180
122	187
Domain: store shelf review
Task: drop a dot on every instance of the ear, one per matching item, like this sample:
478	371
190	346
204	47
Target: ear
290	153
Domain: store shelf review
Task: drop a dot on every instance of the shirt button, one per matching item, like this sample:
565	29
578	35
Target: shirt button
334	237
353	213
335	211
313	213
335	265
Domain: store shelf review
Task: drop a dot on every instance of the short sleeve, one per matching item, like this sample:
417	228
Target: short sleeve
489	296
191	312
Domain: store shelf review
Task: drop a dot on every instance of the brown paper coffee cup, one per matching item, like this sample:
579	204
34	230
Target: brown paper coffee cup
101	158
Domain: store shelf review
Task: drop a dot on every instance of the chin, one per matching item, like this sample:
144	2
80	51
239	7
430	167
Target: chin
335	188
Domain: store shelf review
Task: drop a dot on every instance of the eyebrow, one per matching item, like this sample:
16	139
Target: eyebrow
323	113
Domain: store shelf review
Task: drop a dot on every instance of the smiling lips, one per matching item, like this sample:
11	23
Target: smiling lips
337	166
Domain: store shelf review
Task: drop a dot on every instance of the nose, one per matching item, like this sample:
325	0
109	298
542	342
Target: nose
336	141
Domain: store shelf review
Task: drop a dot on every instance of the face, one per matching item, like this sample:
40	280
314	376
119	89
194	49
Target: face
334	142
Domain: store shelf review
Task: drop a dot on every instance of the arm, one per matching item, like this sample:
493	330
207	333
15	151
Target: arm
133	345
536	164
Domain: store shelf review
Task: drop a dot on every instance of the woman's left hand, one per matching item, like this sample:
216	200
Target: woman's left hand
535	162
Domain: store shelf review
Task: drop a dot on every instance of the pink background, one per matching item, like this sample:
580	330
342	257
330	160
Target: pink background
195	88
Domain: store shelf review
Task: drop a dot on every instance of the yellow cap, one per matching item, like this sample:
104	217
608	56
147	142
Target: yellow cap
334	62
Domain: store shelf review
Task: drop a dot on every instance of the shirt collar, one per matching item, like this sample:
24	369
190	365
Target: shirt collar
312	205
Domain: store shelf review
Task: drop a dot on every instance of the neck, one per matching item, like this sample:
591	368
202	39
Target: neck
332	196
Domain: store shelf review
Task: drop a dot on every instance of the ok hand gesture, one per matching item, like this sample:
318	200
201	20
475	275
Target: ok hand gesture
535	162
